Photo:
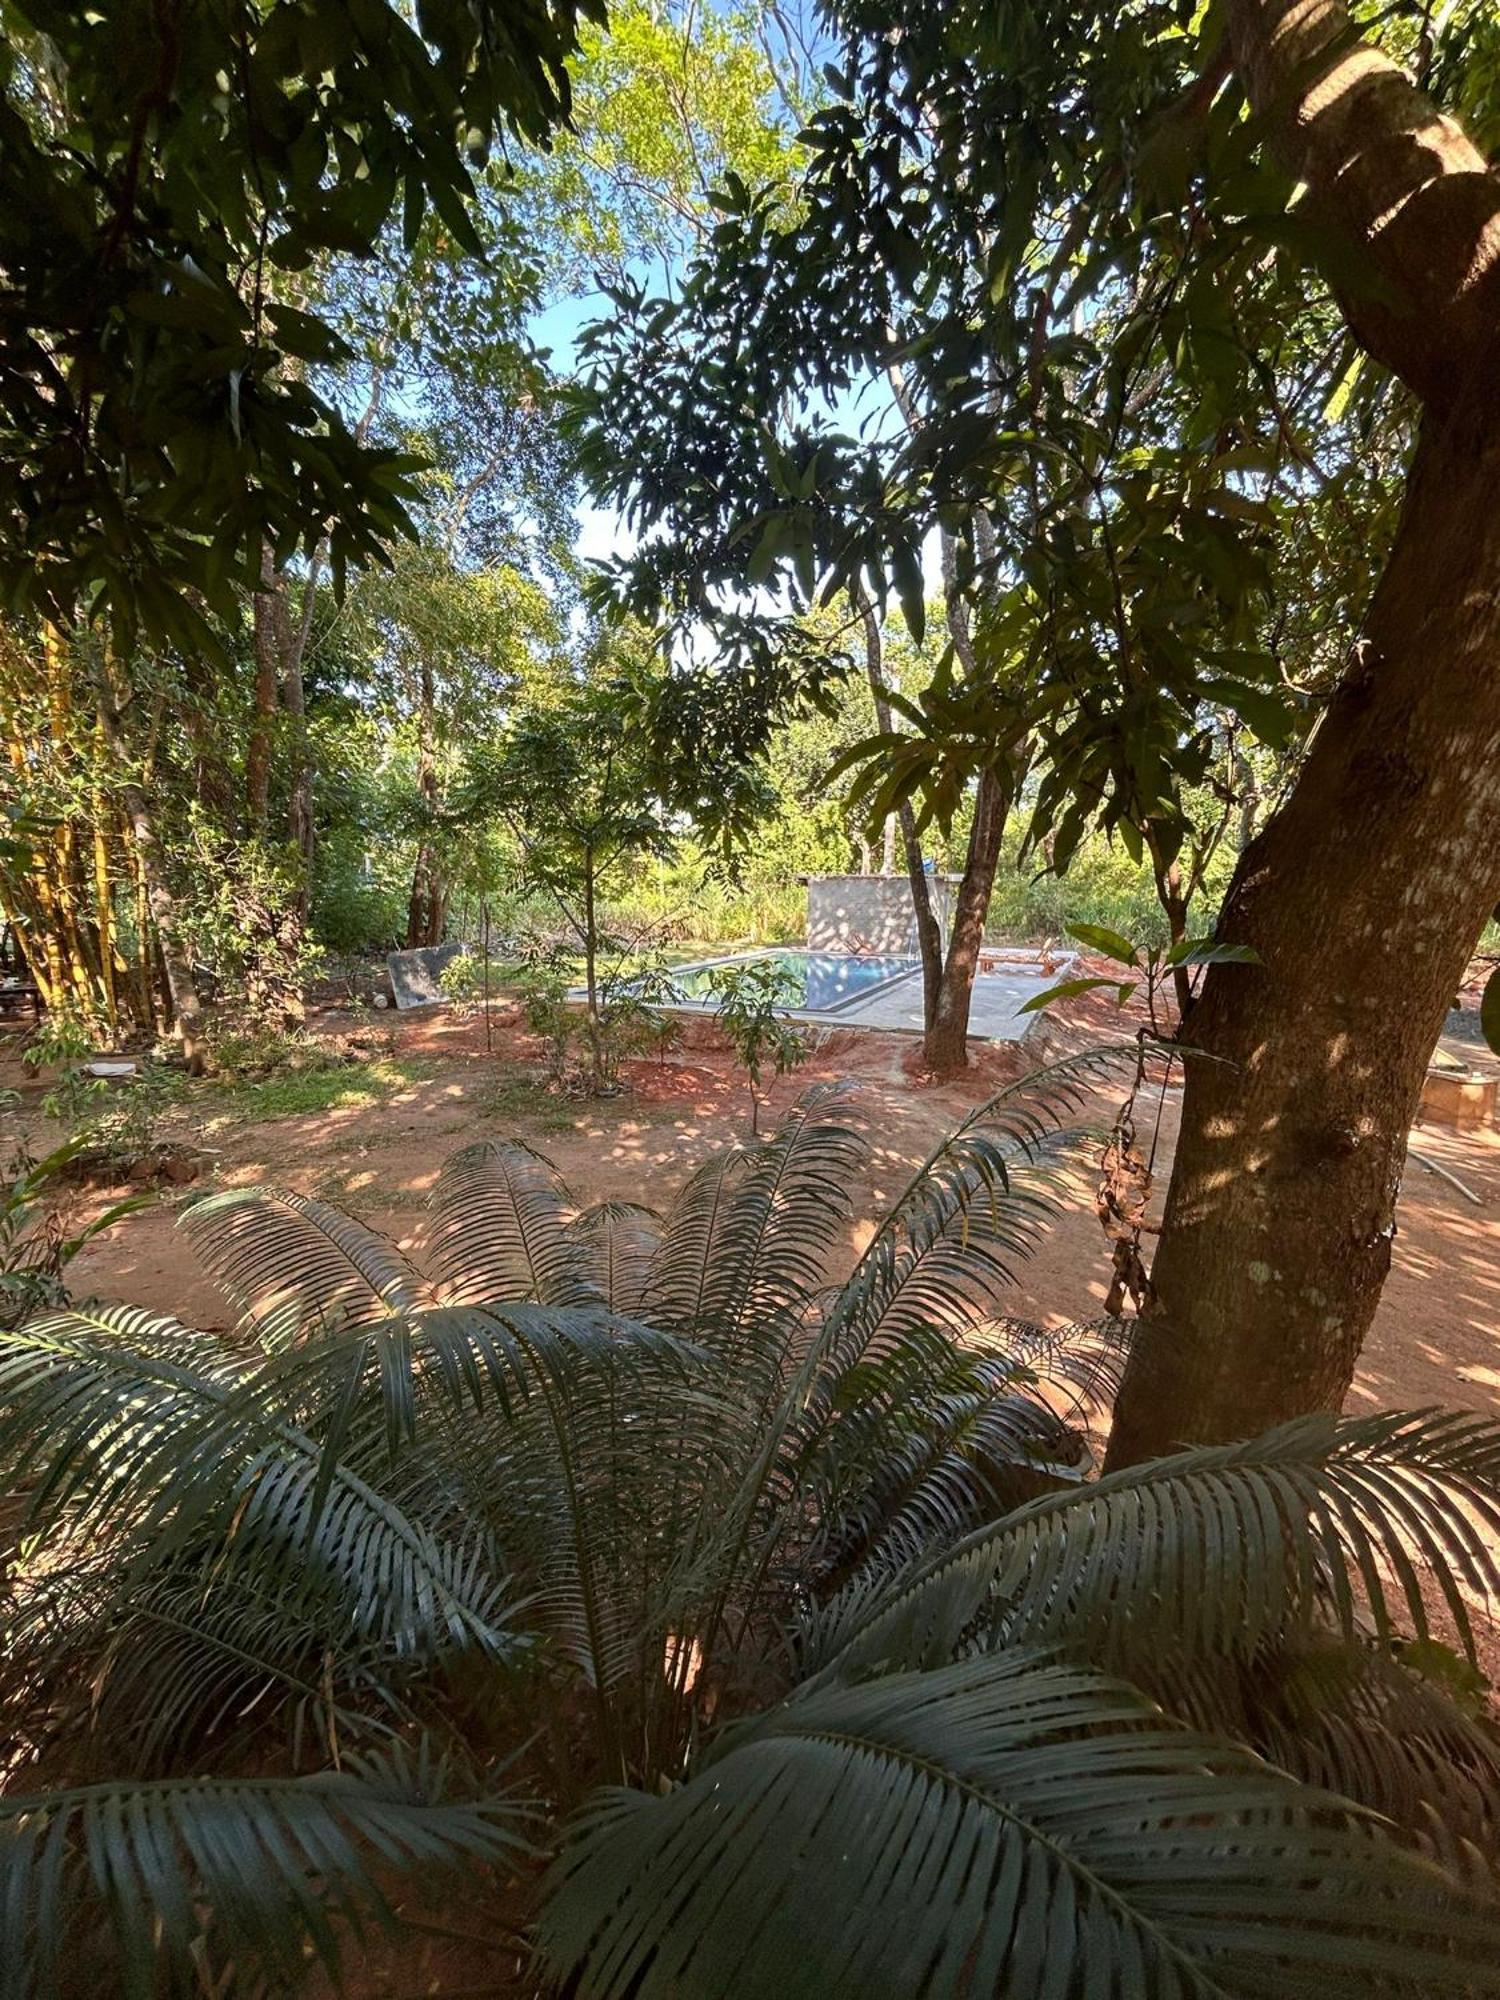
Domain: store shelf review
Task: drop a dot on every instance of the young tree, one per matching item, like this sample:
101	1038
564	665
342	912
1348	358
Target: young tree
572	783
751	1002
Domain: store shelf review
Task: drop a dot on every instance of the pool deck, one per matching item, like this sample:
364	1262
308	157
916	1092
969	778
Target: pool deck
994	1012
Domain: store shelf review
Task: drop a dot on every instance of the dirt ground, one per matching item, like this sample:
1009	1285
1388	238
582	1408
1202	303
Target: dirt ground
1436	1337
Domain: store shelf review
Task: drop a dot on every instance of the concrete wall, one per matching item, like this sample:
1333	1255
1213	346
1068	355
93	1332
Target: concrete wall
868	913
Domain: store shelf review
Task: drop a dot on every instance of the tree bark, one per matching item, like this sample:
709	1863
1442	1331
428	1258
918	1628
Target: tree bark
301	829
427	906
946	1044
1364	898
271	633
929	933
177	969
1365	895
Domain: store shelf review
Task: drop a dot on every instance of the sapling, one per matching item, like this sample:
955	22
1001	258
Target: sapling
764	1039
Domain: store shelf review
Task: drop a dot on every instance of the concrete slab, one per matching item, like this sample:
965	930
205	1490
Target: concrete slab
994	1012
415	975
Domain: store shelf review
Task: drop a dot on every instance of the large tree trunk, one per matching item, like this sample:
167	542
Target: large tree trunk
1364	898
1365	895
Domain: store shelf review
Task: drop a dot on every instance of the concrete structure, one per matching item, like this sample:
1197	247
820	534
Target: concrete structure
871	913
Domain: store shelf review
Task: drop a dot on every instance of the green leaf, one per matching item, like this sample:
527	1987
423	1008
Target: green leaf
1064	990
1204	951
1008	1825
1110	943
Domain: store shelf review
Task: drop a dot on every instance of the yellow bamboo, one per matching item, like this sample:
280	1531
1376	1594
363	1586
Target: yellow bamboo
103	889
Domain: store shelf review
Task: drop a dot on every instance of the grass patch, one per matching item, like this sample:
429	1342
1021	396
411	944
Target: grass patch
517	1098
300	1093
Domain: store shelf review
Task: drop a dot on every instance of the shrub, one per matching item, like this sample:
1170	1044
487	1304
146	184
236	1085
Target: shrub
835	1668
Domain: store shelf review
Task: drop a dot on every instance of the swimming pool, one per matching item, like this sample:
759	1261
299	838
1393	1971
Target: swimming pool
813	982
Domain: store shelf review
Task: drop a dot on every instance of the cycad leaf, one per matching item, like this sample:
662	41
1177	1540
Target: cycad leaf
747	1241
1215	1551
273	1858
946	1250
621	1238
117	1432
691	1284
1351	1717
792	1203
500	1230
294	1267
1009	1825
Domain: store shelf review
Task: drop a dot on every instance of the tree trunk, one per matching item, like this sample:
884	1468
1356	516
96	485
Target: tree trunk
176	967
1365	895
591	970
300	827
928	932
272	643
1172	897
946	1046
428	904
1364	899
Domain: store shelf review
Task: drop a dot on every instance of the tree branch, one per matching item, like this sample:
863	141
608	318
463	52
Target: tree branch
1401	184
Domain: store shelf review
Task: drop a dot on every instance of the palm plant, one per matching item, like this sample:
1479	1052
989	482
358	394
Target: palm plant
766	1632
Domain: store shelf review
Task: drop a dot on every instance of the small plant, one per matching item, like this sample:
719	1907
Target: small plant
113	1120
764	1041
36	1246
462	982
542	983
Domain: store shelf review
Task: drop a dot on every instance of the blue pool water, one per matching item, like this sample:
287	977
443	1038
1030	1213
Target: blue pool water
813	982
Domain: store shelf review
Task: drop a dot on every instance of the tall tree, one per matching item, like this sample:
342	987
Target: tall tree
1092	233
1365	895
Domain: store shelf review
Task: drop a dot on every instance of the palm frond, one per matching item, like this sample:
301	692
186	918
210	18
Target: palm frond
1352	1717
294	1267
581	1441
500	1230
930	1440
622	1239
279	1862
191	1659
746	1244
1007	1825
116	1435
793	1200
691	1283
1216	1551
945	1252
